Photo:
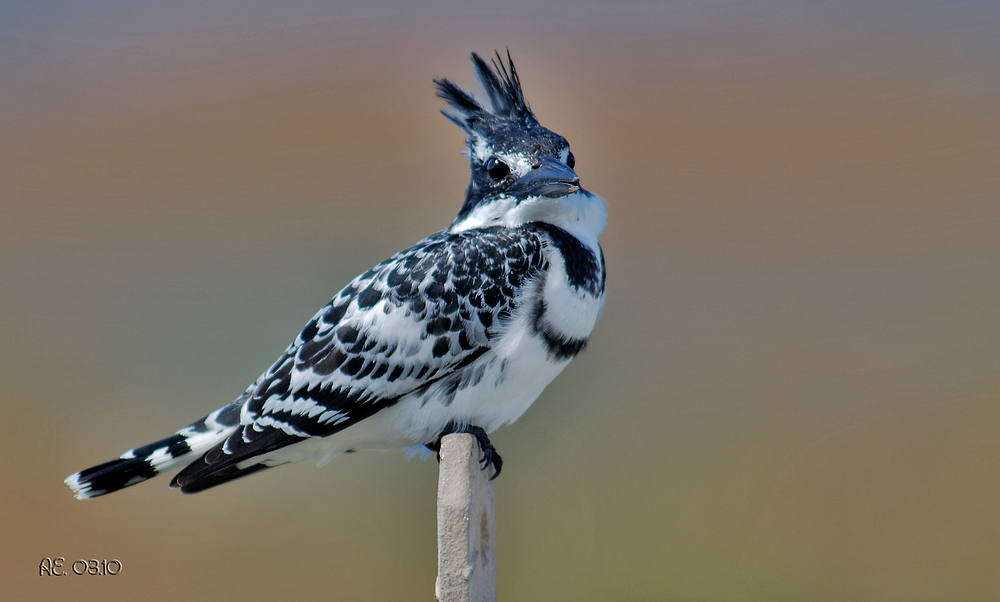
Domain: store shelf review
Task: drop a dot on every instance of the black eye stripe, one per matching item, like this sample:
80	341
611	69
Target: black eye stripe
571	160
496	169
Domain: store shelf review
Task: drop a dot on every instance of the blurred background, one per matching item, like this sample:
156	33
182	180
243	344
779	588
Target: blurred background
794	391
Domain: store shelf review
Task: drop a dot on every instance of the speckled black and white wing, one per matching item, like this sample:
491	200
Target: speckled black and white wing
396	329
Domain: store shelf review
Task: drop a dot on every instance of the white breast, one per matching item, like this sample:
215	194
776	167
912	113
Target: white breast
569	311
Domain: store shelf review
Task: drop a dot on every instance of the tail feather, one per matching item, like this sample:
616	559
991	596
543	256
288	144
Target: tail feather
187	484
142	463
135	466
236	456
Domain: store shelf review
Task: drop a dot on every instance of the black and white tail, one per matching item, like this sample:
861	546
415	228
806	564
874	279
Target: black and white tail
175	451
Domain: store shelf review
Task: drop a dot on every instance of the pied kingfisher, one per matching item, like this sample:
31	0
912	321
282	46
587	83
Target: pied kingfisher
459	333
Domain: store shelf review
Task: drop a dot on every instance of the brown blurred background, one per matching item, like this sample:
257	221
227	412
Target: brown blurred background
794	391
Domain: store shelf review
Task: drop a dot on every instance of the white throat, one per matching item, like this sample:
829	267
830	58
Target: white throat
582	214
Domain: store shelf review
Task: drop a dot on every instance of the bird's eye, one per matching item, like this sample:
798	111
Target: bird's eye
571	160
497	169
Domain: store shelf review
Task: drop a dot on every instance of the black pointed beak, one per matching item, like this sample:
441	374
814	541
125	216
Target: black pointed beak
548	177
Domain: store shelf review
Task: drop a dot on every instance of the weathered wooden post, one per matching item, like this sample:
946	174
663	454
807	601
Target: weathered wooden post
466	520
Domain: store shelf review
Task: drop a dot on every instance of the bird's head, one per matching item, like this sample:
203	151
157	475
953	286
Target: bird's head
514	159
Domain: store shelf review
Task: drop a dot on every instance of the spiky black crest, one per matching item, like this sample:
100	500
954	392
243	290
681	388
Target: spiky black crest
503	87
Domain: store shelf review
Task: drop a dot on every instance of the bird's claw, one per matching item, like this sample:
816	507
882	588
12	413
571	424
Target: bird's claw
490	455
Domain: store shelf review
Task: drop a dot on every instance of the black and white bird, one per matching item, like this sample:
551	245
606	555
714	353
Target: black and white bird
459	333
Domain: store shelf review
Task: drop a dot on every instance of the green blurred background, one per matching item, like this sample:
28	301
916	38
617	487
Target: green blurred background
794	391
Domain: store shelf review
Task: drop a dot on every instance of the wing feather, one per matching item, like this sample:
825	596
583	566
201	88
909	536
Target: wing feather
406	323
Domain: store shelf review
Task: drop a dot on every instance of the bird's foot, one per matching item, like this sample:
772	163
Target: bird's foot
490	455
